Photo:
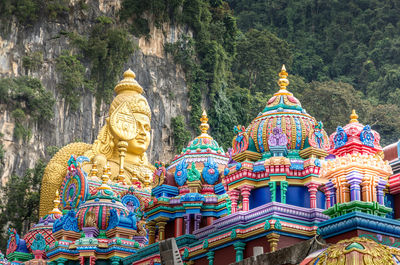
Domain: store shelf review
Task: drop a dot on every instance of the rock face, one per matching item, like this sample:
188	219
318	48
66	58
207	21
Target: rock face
163	82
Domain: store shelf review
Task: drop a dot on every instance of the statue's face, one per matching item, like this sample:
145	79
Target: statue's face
141	142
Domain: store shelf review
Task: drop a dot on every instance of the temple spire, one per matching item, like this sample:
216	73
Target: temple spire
283	82
353	116
105	177
56	201
204	125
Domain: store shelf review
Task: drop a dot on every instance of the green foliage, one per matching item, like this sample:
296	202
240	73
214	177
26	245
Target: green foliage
72	78
20	132
355	42
137	13
28	100
107	48
180	133
251	68
51	150
2	153
27	94
30	11
32	61
332	102
20	202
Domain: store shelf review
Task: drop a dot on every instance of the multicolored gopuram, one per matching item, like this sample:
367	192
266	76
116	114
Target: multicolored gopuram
283	181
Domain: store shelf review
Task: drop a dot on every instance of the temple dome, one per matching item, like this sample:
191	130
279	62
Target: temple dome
202	152
283	110
95	211
354	251
355	137
45	225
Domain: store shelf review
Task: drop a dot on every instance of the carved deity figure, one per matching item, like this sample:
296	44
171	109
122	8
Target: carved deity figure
277	138
122	142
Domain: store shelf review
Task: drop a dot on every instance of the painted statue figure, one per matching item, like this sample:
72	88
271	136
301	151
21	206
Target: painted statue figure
123	140
278	138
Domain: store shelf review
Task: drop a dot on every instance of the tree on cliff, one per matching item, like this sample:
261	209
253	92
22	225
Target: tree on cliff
19	203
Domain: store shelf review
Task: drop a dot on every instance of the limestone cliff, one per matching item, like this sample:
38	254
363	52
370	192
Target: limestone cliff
162	80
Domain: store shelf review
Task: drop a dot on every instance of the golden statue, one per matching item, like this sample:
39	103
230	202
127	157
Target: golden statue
122	143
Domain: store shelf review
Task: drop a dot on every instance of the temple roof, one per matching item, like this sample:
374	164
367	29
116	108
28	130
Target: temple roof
284	111
200	152
355	137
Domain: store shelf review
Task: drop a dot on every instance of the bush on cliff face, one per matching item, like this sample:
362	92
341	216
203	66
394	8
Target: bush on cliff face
28	12
180	133
72	79
107	49
28	100
29	95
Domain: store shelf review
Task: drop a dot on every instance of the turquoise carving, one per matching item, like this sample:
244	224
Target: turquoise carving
210	171
181	173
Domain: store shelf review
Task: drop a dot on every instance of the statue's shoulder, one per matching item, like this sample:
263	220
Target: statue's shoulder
64	154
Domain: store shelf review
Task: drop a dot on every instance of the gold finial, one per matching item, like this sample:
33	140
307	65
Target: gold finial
128	83
283	82
56	204
121	176
204	125
94	171
105	177
353	116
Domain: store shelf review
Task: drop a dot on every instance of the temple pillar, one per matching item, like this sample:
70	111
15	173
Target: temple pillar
115	260
161	230
234	196
210	257
366	188
197	220
152	232
273	239
342	190
312	189
61	261
92	260
284	187
178	227
379	191
210	220
272	190
239	248
246	194
354	179
186	218
330	193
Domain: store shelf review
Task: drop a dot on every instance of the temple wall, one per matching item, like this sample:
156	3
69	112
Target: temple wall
163	82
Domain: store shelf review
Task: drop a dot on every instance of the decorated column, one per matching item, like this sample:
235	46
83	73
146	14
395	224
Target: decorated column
186	218
273	239
272	190
379	191
178	227
312	189
197	220
210	257
234	196
246	194
354	179
330	194
161	230
210	220
239	248
284	186
152	233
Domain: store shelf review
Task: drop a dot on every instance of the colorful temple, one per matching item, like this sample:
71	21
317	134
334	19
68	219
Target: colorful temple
283	183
